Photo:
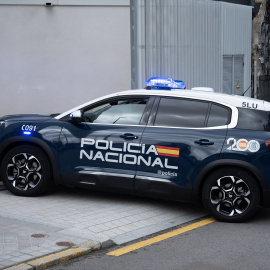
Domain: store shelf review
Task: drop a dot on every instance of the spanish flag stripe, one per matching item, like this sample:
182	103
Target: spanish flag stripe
168	155
166	147
167	151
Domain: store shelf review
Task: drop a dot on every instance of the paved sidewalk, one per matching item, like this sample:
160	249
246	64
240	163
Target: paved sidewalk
33	227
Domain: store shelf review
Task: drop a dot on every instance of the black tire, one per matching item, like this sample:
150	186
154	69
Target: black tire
26	171
231	195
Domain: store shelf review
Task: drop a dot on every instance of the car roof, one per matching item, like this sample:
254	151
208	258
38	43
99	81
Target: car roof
225	99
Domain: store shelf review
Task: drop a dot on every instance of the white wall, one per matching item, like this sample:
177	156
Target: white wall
54	58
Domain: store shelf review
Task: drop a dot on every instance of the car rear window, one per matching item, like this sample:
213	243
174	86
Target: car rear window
219	116
181	113
253	119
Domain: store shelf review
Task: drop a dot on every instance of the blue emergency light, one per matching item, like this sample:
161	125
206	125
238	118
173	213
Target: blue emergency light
157	83
27	133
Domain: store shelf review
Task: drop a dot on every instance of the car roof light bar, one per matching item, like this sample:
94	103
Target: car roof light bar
157	83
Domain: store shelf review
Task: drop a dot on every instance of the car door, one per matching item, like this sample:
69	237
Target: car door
182	136
102	150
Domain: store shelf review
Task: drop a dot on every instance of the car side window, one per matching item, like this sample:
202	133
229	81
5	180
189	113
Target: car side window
253	119
126	112
218	116
181	113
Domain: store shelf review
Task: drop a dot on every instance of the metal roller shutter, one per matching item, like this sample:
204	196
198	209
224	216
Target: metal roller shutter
233	74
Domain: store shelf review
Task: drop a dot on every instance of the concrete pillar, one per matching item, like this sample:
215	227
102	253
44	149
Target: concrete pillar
261	48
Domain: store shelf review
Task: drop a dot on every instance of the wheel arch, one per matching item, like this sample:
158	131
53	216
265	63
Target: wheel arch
16	141
210	168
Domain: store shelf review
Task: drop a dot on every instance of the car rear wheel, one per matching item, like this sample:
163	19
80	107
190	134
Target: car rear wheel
231	195
26	171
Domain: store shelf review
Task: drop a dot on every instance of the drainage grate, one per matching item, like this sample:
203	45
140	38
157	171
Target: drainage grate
65	244
39	235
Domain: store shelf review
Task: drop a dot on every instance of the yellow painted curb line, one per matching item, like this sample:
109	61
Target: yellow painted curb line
127	249
59	257
87	247
22	266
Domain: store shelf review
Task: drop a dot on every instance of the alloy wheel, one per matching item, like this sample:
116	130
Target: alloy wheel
230	195
24	171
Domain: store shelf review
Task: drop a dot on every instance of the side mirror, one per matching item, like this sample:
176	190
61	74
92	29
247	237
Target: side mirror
75	117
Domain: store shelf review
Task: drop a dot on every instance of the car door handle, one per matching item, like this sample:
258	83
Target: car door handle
129	136
204	142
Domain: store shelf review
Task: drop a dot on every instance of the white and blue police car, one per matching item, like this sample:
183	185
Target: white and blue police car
162	141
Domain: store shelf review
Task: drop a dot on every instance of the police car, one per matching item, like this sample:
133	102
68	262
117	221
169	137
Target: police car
162	141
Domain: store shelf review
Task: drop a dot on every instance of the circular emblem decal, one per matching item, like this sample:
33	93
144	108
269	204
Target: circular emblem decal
242	145
253	146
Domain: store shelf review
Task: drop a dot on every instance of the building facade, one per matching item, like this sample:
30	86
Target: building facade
204	43
57	54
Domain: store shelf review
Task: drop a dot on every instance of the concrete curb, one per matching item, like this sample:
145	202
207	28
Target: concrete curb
60	257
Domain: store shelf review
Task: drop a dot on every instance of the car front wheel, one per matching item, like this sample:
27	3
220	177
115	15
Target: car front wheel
26	171
231	195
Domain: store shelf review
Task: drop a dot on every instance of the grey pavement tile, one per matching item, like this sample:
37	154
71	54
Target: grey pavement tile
25	257
125	221
132	218
18	259
85	234
118	222
37	254
97	221
94	229
28	251
28	256
146	222
56	248
79	226
22	246
117	231
102	227
24	240
110	225
139	224
6	256
37	242
98	218
8	234
23	237
5	263
10	245
110	234
10	241
9	250
150	229
49	245
126	228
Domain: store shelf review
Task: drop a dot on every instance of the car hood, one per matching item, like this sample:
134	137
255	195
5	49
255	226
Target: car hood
25	117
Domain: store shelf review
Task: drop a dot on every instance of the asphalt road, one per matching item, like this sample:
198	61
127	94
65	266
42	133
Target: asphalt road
215	246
